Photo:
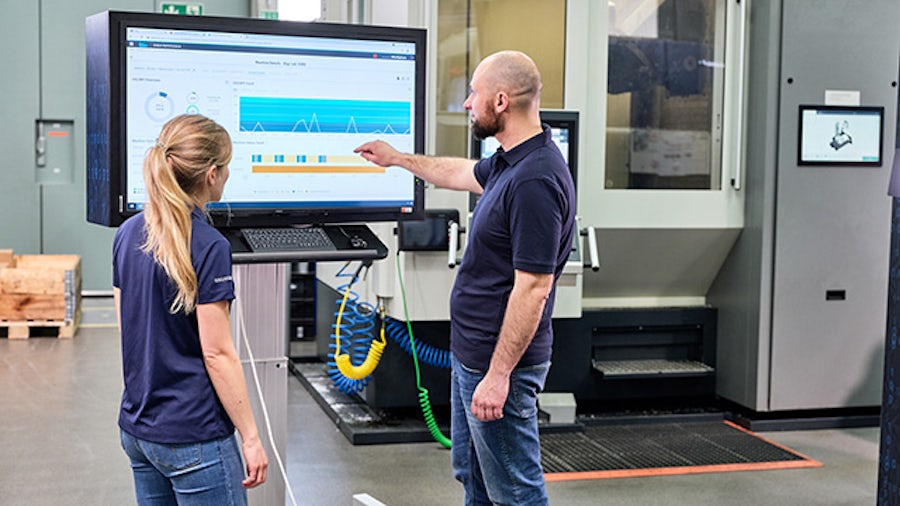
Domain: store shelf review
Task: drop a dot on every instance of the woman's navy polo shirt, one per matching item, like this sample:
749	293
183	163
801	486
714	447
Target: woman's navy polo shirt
525	221
168	395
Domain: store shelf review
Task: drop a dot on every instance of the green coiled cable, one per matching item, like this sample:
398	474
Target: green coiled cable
430	422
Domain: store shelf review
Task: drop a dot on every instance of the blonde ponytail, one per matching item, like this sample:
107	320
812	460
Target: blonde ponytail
174	174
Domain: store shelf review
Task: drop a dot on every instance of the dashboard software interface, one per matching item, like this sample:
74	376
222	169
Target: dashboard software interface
295	108
840	135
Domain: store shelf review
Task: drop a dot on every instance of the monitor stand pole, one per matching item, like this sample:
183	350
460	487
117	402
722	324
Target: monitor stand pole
262	310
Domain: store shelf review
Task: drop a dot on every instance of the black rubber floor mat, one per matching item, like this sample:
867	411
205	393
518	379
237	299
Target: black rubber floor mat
661	449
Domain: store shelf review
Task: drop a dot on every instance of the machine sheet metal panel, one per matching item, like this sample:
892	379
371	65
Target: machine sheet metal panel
832	223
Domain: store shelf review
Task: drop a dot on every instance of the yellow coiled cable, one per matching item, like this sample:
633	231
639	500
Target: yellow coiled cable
357	372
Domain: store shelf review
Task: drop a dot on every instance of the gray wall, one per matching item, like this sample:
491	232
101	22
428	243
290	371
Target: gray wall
20	103
46	57
781	344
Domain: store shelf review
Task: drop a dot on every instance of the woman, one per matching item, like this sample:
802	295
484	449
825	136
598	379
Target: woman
184	386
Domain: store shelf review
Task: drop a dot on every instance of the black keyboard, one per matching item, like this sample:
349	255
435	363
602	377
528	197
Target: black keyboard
288	239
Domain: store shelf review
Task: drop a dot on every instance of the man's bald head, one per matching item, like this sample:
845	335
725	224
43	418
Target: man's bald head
515	73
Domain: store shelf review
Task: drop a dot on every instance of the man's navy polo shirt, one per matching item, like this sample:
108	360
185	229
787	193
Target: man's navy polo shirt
168	395
524	221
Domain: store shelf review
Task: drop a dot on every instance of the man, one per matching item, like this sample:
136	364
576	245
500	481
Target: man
519	239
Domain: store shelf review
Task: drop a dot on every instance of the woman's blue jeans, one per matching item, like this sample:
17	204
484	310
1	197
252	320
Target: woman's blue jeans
196	474
498	462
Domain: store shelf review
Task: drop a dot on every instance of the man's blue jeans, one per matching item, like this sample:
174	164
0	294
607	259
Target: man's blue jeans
498	462
196	474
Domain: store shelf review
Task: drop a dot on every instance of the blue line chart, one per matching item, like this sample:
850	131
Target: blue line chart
307	115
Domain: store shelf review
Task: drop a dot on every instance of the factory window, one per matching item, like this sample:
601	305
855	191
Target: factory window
469	30
664	94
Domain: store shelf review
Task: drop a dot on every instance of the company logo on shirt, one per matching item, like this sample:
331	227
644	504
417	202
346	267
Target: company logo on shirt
222	279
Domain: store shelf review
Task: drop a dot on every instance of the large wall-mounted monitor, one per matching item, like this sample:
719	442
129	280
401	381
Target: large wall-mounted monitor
841	135
296	99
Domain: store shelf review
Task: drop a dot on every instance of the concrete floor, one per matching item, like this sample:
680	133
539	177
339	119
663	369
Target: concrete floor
59	445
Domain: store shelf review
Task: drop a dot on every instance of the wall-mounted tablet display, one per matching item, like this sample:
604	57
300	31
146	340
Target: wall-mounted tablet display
841	135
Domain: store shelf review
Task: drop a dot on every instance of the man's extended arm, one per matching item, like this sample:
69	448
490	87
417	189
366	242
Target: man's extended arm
443	171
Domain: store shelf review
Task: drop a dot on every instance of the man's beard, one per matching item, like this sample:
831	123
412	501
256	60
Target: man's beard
487	127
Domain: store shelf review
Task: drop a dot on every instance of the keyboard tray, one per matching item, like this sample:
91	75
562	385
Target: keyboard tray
350	242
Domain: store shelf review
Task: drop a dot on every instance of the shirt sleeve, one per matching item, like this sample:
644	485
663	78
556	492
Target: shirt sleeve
482	170
535	223
116	246
214	279
118	241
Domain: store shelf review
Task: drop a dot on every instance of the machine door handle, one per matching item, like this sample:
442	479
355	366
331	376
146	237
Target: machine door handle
593	251
453	230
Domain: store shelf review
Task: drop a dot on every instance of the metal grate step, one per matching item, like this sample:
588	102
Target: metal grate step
645	446
652	368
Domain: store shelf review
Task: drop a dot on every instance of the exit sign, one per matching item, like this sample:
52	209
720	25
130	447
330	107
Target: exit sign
183	9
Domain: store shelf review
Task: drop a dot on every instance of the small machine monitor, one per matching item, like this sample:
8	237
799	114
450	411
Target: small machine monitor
563	128
564	131
841	135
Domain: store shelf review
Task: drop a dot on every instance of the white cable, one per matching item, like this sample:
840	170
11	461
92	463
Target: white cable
239	313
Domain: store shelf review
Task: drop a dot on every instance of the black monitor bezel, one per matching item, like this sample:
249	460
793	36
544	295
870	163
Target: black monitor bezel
119	22
837	163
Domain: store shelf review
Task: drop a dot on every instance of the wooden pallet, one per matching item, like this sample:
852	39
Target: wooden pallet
40	295
29	328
